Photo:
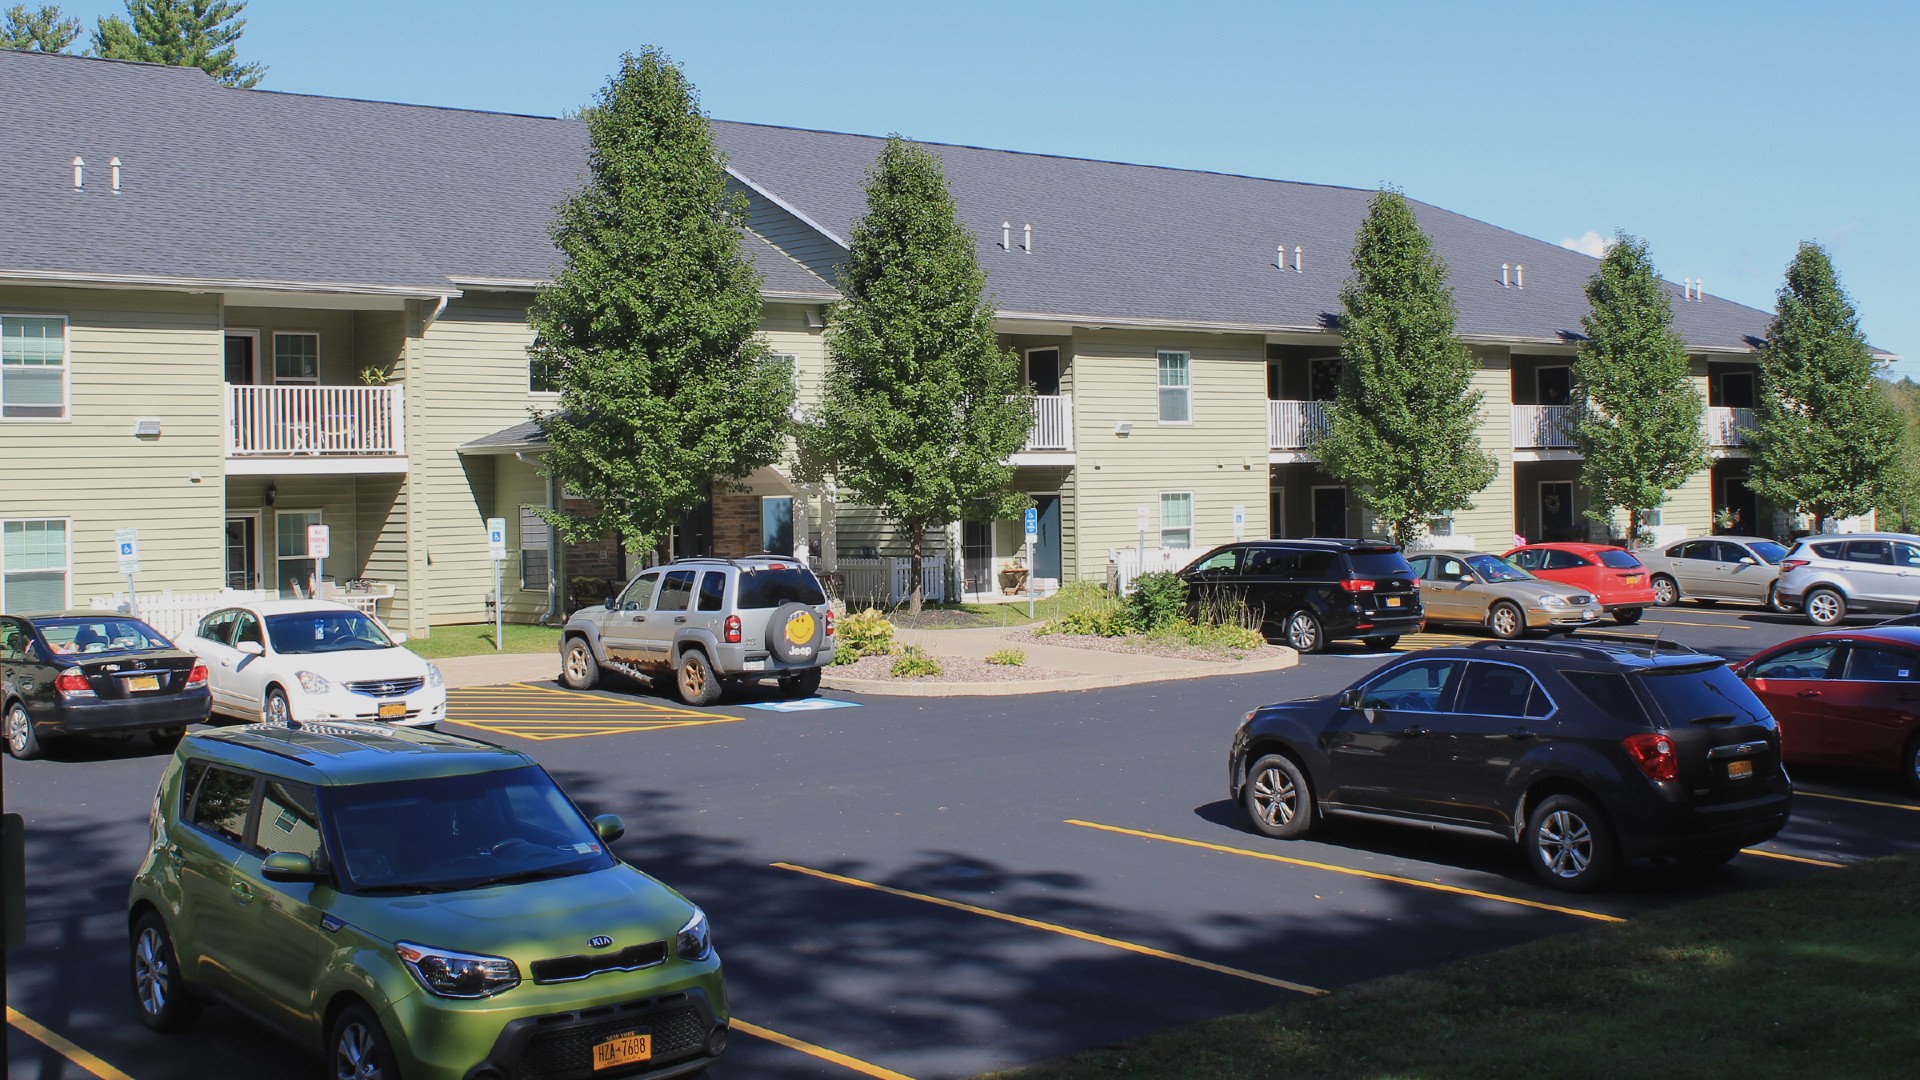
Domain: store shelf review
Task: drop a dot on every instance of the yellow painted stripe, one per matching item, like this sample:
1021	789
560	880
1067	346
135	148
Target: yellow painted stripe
1699	625
1082	935
65	1048
1790	858
821	1052
1863	802
1395	878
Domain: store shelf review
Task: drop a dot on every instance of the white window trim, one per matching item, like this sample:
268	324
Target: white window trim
65	571
66	380
259	563
541	395
251	334
1026	366
273	361
320	518
1191	526
1158	389
799	409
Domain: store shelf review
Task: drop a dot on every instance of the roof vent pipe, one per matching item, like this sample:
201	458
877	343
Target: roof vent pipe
1006	236
1026	241
1280	256
1296	258
1686	288
1504	282
1699	289
114	164
79	173
1519	275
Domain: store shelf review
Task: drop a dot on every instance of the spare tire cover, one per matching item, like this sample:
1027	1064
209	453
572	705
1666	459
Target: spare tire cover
794	633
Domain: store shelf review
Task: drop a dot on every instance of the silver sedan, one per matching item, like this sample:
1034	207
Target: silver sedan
1743	569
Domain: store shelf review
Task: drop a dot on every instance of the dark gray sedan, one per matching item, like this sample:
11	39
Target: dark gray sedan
1710	569
94	673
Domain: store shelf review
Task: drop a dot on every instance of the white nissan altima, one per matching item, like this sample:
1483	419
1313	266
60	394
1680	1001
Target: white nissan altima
280	660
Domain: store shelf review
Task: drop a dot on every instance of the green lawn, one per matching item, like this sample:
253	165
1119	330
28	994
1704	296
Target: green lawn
1813	978
473	639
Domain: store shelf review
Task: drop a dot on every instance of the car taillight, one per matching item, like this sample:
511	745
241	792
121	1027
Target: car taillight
198	677
829	622
733	630
1360	585
1789	565
1654	754
70	683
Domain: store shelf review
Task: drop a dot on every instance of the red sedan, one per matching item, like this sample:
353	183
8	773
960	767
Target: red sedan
1618	580
1845	697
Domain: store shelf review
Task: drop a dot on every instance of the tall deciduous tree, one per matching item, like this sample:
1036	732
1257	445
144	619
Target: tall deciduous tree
1403	431
650	330
1827	439
184	33
1899	504
45	29
1636	413
922	407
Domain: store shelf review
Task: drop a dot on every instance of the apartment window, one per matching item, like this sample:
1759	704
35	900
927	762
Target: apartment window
1176	519
533	550
1653	517
543	370
776	524
792	364
1441	526
1176	388
293	571
296	358
33	367
34	565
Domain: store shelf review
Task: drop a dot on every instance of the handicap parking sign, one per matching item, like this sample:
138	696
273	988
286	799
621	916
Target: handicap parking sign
817	704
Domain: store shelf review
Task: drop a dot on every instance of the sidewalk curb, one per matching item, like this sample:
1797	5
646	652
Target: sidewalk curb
929	688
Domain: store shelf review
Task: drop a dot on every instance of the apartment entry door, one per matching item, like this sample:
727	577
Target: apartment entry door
976	556
1329	511
1046	545
1556	510
243	551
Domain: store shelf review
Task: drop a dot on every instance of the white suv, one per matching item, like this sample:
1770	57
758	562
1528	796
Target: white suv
1829	575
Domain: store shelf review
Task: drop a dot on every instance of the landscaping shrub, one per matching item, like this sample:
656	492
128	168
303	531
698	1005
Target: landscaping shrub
1107	618
1007	657
914	663
867	633
1159	600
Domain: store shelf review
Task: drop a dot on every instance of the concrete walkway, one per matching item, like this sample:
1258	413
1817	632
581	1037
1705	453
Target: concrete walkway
1092	668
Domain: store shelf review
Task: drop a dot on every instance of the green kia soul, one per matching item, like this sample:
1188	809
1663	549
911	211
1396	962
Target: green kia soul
414	904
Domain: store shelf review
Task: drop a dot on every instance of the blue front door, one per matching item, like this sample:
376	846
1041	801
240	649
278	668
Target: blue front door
1046	546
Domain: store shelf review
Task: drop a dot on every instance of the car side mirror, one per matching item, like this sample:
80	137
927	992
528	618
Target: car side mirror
1748	560
290	867
397	637
609	827
608	604
252	648
1350	699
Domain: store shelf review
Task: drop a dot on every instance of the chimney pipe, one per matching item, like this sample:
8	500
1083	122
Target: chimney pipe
79	173
1026	239
114	164
1296	258
1006	236
1519	275
1504	282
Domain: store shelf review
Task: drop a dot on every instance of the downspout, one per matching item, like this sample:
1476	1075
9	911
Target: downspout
556	562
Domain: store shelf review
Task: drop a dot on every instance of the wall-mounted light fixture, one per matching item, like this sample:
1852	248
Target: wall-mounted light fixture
273	491
147	427
1122	427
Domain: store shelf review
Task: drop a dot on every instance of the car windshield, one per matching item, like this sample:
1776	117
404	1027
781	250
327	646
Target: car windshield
1495	568
449	833
325	631
1769	552
1692	694
771	586
1618	560
88	636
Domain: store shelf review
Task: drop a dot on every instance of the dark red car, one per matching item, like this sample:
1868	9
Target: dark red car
1845	697
1611	574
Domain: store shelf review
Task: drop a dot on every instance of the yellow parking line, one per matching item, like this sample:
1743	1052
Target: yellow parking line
821	1052
1082	935
1708	625
64	1047
1791	858
1433	885
1862	802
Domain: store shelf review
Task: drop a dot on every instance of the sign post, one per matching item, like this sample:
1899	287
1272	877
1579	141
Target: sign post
127	542
1239	523
1140	549
497	551
1033	532
319	546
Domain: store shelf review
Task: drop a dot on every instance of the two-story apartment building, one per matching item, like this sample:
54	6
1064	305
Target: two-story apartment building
226	315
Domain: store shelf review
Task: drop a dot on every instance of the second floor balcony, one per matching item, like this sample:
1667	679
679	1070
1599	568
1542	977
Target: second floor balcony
1550	427
314	429
1293	425
1728	427
1052	430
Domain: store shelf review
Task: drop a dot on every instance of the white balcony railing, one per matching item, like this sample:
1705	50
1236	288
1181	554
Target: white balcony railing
1542	427
1052	422
1293	425
1728	427
314	420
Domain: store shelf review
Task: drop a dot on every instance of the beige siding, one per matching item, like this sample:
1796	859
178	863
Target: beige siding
130	355
1220	456
518	484
784	328
360	511
1490	520
801	242
339	364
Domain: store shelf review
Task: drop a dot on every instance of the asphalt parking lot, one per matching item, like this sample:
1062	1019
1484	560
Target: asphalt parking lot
933	887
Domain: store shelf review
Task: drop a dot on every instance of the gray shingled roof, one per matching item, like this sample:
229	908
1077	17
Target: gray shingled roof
1145	243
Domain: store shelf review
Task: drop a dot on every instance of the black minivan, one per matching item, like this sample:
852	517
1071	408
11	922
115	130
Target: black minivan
1309	592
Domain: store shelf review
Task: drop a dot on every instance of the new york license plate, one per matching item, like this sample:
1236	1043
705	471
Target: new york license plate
1739	770
623	1050
1393	601
144	682
392	709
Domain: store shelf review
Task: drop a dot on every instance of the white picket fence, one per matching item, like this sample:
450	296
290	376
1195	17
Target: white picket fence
1126	564
885	581
178	613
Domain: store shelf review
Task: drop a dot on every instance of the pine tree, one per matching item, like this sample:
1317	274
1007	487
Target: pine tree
650	330
184	33
1826	441
1404	429
46	29
922	403
1637	414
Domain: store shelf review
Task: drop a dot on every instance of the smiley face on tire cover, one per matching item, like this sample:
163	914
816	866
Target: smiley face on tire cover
800	627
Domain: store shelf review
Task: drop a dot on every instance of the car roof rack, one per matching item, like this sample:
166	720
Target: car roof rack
1609	646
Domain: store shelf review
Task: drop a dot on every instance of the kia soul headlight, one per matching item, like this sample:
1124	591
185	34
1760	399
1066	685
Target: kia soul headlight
695	940
456	974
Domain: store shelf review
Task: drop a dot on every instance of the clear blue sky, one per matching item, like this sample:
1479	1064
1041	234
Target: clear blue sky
1722	132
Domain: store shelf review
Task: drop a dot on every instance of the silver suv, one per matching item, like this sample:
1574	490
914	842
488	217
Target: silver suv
705	622
1829	575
